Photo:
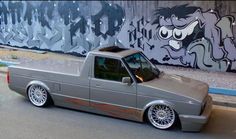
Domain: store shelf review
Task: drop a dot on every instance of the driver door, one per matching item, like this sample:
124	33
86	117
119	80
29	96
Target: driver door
106	85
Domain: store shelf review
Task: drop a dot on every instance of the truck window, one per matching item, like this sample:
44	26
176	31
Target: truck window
140	67
109	69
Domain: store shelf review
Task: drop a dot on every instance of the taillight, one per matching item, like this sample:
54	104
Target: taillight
8	77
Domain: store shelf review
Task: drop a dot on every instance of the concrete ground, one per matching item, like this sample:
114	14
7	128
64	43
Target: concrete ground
214	79
21	120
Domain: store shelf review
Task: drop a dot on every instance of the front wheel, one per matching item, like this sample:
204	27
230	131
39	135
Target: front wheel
161	116
38	96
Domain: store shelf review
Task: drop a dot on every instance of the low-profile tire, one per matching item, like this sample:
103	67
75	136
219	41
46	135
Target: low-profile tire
38	96
161	116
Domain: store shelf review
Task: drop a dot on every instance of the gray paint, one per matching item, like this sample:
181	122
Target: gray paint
81	26
72	84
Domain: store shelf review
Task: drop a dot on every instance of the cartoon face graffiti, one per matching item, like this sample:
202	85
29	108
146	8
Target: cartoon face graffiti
195	37
179	35
176	29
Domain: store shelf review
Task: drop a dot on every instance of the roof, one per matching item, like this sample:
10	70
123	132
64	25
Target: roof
114	51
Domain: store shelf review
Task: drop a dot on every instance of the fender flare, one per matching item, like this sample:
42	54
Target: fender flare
157	102
35	82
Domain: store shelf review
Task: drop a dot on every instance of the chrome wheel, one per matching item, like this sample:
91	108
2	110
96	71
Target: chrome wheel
161	116
38	95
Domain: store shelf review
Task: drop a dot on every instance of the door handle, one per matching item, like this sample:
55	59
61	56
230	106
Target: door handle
97	85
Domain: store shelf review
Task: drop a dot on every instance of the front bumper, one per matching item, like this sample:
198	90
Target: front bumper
195	123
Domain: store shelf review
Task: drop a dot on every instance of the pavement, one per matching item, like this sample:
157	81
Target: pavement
224	80
3	70
21	120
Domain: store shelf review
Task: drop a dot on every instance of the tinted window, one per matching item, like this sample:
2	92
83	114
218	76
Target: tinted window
109	69
140	67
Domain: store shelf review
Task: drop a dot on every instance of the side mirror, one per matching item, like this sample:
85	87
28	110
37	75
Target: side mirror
126	80
157	71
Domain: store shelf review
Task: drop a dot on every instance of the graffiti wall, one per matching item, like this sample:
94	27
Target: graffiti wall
185	34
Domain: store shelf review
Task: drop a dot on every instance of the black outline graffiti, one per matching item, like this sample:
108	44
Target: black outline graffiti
209	32
46	8
42	19
139	36
115	15
4	11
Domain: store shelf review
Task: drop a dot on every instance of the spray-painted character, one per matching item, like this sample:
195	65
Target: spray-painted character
196	38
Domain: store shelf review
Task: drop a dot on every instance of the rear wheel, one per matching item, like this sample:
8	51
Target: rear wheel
38	96
161	116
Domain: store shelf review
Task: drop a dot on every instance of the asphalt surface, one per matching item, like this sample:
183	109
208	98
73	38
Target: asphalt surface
21	120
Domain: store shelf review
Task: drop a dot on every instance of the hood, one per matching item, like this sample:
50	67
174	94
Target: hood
178	86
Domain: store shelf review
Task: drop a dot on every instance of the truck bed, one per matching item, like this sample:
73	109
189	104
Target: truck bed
53	65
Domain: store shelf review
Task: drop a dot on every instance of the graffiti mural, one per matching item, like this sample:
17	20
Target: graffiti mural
185	35
196	38
140	34
59	25
181	35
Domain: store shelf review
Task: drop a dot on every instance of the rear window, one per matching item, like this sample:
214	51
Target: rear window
113	49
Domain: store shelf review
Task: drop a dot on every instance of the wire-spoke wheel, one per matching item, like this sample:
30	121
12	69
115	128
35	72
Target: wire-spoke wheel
38	95
161	116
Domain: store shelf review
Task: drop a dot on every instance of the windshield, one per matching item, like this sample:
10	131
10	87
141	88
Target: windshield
141	67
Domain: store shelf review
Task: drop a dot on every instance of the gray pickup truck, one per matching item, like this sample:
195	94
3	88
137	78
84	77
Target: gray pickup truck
117	82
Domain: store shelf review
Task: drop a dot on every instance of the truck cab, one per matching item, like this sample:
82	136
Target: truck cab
118	82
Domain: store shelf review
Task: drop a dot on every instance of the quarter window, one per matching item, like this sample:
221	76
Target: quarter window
109	69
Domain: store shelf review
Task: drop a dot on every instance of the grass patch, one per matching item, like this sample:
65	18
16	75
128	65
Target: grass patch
14	57
2	65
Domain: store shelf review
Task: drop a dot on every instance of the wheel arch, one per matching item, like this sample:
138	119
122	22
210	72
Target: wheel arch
157	102
42	84
35	82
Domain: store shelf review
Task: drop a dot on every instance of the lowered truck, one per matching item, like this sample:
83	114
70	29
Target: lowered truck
116	82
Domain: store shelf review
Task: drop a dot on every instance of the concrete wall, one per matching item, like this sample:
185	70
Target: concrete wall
197	34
